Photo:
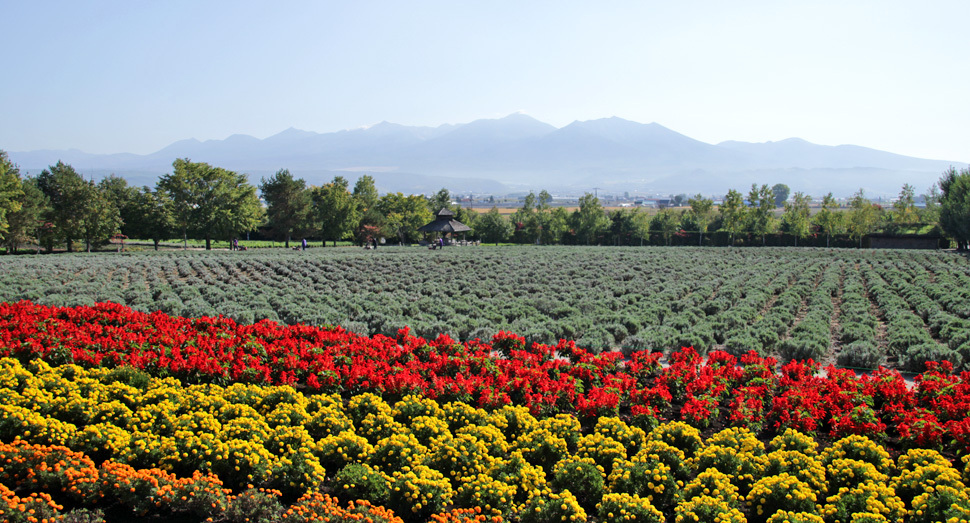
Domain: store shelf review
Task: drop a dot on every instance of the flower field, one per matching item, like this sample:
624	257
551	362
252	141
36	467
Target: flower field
853	308
114	414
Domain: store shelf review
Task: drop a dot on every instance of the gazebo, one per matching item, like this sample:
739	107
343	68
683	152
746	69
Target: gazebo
444	224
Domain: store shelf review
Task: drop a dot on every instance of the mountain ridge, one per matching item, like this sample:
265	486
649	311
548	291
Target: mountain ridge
519	151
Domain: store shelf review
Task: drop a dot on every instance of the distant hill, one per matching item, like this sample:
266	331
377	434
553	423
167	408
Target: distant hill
519	152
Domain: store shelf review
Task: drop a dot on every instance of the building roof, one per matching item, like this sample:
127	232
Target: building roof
445	223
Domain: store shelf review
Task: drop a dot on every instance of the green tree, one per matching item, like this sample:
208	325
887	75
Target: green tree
11	192
733	213
526	215
403	215
440	200
829	220
780	194
930	213
862	216
26	223
904	213
555	225
623	226
493	227
760	217
703	210
335	210
210	201
77	209
288	205
955	206
590	221
666	223
370	220
796	220
101	219
151	216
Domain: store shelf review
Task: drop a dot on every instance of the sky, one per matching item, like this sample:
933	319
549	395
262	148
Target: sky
135	76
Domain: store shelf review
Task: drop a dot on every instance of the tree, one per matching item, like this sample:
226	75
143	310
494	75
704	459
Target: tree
780	192
11	192
703	209
760	216
556	226
666	223
796	220
25	223
440	200
828	220
365	192
862	216
101	218
210	201
287	205
733	213
78	209
931	211
623	226
492	227
679	200
531	226
904	213
151	216
955	206
590	221
403	215
334	210
370	220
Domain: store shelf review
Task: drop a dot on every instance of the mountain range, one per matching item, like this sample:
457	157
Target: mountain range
518	152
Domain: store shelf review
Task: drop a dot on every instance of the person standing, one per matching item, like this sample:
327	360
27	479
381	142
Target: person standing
303	244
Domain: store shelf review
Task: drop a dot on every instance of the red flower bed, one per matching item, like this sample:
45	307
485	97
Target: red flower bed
547	379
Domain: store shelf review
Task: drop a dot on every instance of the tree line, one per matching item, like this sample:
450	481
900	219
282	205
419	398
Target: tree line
200	201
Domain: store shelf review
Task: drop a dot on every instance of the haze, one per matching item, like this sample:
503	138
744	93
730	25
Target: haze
107	77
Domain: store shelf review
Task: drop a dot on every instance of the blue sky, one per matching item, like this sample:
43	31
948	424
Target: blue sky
134	76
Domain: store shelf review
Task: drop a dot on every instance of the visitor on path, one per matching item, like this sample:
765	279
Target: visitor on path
303	244
235	244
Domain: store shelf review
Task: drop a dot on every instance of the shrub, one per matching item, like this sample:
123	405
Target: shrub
859	448
491	495
849	473
786	516
806	468
782	492
791	439
867	497
646	477
921	479
546	506
943	503
338	451
714	483
860	354
743	468
707	509
255	506
603	450
582	476
360	481
417	492
679	435
621	508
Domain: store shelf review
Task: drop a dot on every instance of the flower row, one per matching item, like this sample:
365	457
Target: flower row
420	458
545	379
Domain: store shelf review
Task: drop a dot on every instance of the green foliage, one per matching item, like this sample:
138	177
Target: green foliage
287	205
210	201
